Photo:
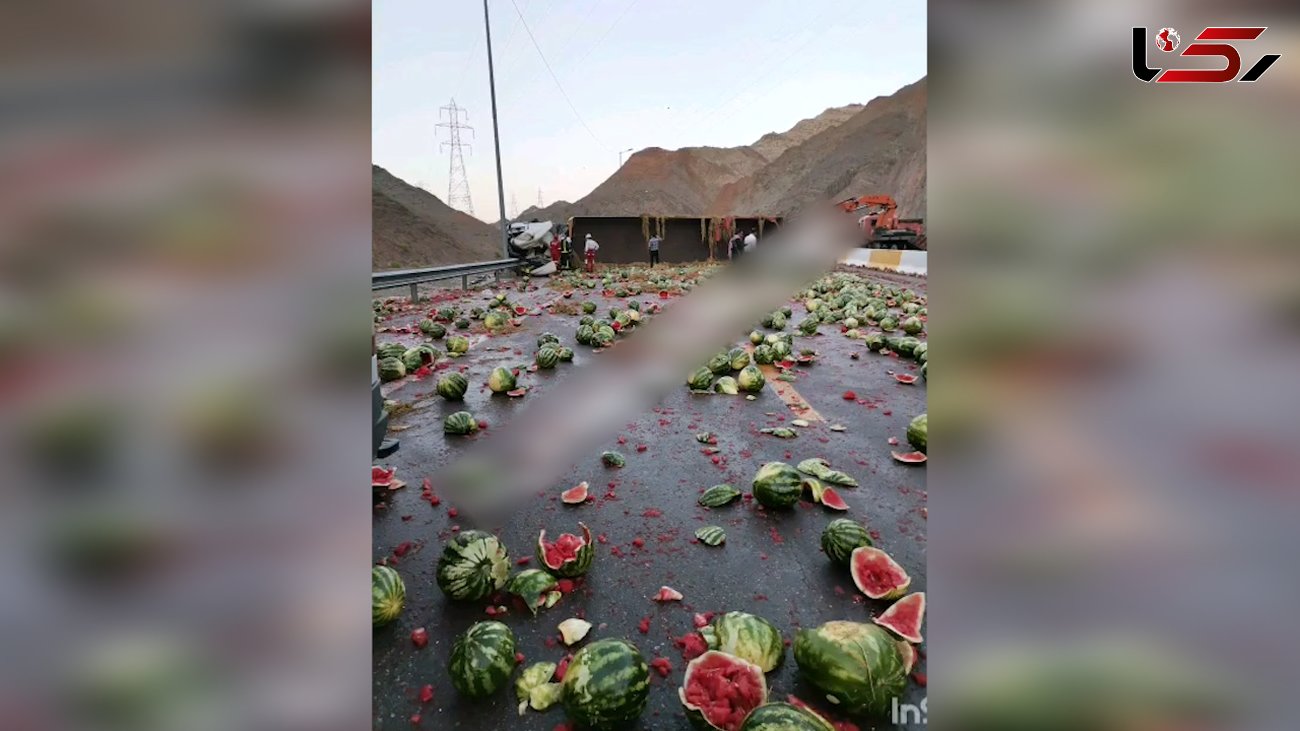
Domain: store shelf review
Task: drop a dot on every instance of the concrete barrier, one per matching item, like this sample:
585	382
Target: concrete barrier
890	260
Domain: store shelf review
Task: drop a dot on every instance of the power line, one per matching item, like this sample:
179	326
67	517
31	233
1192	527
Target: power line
457	181
611	27
555	78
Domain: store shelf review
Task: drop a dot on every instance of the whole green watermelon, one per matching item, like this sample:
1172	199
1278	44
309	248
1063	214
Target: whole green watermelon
387	595
461	422
588	307
857	666
453	386
412	359
917	433
426	326
565	353
888	324
390	350
700	379
391	369
458	344
840	537
585	334
482	659
783	717
606	686
545	338
777	485
739	358
472	565
911	325
547	358
748	637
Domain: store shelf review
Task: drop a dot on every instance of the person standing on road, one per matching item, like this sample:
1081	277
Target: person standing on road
733	246
654	249
750	241
566	251
590	249
555	250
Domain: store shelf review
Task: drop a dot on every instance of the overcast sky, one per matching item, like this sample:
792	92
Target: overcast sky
640	73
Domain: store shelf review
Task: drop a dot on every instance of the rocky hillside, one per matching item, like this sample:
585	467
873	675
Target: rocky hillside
772	144
660	182
411	227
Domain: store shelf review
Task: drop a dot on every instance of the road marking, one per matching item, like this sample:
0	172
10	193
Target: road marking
786	391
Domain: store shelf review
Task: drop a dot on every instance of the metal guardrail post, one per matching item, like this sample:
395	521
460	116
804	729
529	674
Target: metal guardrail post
415	292
496	276
464	281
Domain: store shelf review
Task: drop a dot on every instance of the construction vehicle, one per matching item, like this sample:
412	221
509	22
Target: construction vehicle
881	226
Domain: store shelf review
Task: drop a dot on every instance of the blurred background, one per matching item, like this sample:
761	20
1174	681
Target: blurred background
1113	498
184	232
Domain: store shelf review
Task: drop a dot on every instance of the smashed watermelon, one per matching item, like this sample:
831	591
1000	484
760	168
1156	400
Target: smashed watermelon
575	495
832	499
877	575
720	690
905	617
569	556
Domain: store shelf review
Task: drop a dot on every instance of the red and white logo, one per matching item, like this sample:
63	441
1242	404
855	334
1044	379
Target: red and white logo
1213	42
1168	39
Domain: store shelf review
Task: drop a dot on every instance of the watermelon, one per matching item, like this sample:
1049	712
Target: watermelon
917	433
909	457
461	422
750	379
874	341
727	385
888	324
390	350
575	495
391	369
547	358
548	338
905	378
840	537
612	459
857	666
876	574
462	323
606	686
748	637
496	320
588	307
482	659
739	358
711	535
808	327
534	586
501	380
718	495
452	386
756	337
458	345
387	595
569	555
585	334
763	354
909	655
473	565
911	325
777	486
832	499
905	617
700	379
784	717
720	690
719	364
565	353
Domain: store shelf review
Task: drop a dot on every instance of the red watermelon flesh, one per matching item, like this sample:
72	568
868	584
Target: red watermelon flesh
723	689
905	617
575	495
904	378
832	499
564	549
519	310
909	457
877	575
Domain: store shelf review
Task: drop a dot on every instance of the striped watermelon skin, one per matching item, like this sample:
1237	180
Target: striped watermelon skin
606	685
453	386
711	535
718	495
840	537
473	565
777	485
783	717
482	659
387	595
574	567
461	422
856	664
547	357
748	637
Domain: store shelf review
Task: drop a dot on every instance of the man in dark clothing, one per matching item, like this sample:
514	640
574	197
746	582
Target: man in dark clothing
654	249
566	252
734	247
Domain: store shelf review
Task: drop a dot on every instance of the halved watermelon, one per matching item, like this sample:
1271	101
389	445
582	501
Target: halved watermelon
832	499
720	690
905	378
575	495
877	575
909	457
521	310
569	556
905	617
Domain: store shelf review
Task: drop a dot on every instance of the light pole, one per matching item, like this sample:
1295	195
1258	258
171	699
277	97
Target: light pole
496	137
620	156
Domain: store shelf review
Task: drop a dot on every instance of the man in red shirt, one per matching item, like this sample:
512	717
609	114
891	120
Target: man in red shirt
555	250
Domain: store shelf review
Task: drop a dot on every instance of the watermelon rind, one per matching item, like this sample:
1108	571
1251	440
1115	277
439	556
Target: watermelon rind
918	433
779	716
606	686
905	617
387	595
871	566
473	564
711	535
532	586
857	666
749	637
482	659
713	659
571	568
718	495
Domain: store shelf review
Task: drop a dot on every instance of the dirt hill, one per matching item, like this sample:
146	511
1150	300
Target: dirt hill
772	144
660	182
411	228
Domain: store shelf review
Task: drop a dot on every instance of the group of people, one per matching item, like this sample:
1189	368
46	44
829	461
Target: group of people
562	249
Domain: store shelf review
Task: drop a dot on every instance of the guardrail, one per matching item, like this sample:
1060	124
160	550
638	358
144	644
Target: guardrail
415	277
893	260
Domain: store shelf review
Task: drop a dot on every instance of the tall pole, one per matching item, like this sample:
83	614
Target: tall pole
496	137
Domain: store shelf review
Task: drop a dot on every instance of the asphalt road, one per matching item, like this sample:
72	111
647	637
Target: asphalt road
770	565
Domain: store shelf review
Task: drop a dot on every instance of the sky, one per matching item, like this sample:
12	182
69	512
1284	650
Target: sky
636	73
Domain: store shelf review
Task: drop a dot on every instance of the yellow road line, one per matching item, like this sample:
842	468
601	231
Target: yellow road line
786	391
